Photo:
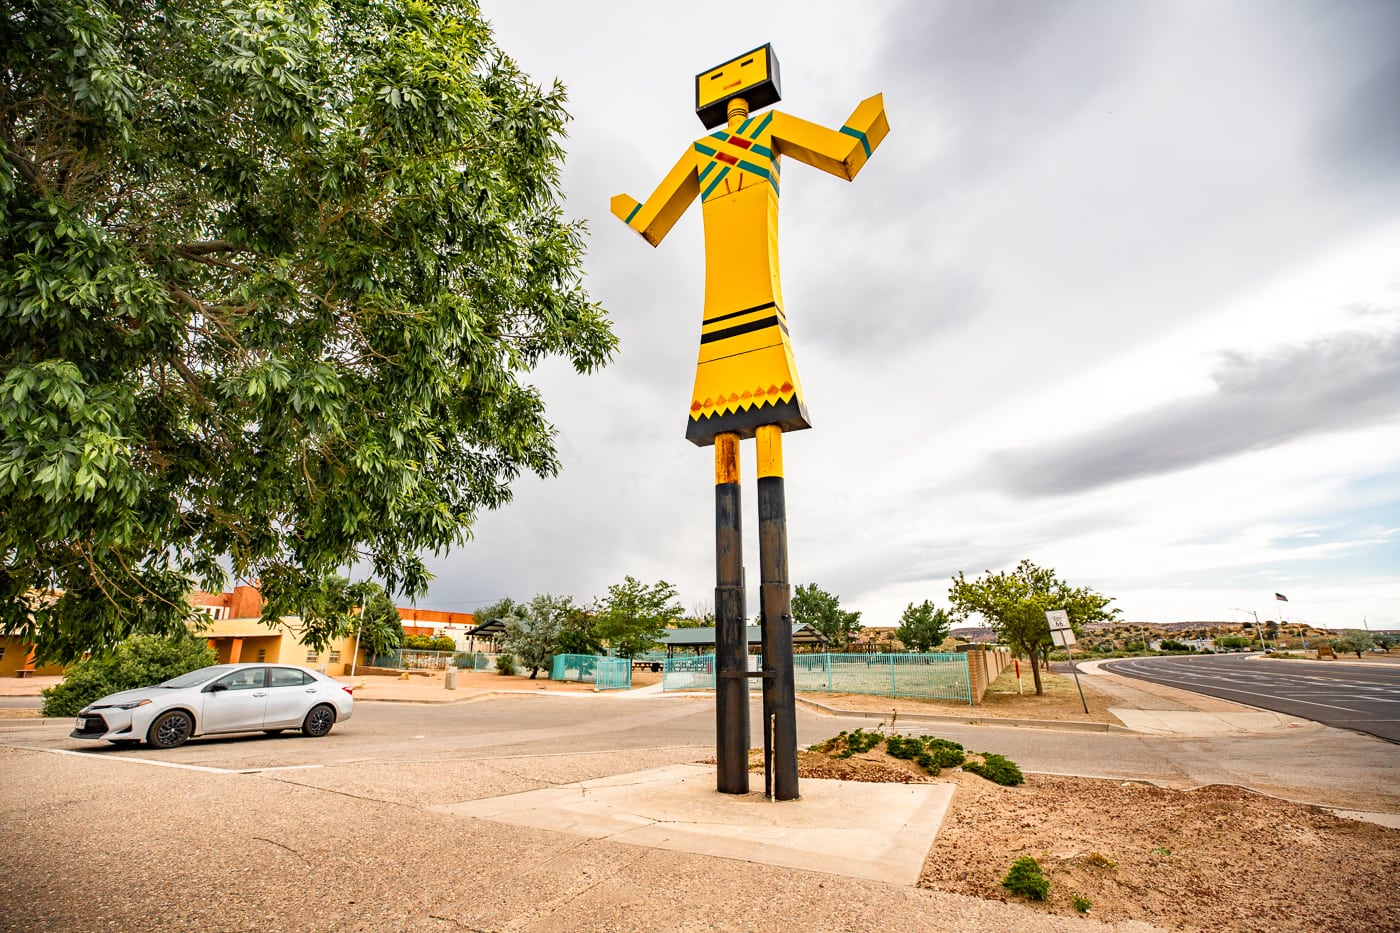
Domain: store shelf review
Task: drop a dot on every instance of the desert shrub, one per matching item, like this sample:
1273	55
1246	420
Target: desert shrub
939	754
903	747
998	769
1025	878
140	661
505	664
846	744
1081	904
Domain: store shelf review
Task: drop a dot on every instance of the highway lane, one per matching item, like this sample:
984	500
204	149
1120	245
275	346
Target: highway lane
1364	698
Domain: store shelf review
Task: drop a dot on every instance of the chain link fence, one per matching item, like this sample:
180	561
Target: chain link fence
941	676
606	673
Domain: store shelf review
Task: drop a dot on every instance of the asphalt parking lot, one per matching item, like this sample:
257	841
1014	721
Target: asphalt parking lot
347	832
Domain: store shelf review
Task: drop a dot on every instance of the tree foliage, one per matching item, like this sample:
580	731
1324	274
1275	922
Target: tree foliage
271	278
814	606
631	618
533	629
579	634
1354	640
380	625
139	661
1014	605
923	627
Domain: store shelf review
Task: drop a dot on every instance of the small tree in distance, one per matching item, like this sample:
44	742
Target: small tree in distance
1353	640
923	627
633	615
1014	604
533	630
814	606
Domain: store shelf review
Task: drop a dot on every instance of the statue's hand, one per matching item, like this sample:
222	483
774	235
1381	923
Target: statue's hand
624	207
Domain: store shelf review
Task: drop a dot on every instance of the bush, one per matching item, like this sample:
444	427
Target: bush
1025	878
505	664
846	744
442	643
997	769
1081	904
931	754
140	661
941	753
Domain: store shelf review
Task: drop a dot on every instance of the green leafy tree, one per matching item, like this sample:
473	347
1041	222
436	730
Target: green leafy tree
1015	603
380	625
633	615
533	630
272	277
1353	640
579	634
139	661
814	606
923	627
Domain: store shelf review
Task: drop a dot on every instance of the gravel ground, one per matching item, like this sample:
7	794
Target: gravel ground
1217	858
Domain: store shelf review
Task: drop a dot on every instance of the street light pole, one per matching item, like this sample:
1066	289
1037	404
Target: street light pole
1257	629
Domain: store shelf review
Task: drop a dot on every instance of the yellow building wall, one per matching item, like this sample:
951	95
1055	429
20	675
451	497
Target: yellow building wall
16	657
281	645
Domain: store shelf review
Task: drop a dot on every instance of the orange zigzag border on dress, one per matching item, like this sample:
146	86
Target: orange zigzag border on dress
740	401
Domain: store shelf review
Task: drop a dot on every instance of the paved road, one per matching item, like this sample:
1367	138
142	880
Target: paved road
1365	698
1313	765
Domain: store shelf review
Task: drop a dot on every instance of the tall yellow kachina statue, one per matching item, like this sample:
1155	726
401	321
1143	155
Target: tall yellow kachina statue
746	383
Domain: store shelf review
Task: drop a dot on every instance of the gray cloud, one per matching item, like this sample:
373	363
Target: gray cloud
1331	384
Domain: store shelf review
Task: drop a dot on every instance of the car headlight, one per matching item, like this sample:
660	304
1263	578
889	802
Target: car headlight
132	705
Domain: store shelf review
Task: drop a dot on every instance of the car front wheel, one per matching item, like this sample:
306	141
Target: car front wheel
171	729
318	722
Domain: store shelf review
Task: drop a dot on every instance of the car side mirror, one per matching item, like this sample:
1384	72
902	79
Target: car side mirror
215	688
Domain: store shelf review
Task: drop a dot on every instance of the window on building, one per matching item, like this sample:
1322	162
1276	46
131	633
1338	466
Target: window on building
335	656
2	651
262	654
311	655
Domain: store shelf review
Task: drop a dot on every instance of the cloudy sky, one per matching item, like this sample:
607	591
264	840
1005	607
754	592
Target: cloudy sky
1120	293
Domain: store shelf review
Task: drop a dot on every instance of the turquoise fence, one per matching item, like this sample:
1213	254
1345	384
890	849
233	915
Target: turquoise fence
926	676
607	673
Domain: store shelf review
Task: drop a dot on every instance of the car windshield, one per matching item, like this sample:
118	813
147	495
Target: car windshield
195	678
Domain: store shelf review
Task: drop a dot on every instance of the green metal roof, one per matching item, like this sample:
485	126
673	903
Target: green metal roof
802	634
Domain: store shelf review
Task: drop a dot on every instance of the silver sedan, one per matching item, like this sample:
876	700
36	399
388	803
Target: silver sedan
219	699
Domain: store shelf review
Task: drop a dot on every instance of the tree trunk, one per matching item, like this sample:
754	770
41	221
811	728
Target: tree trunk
533	672
1035	671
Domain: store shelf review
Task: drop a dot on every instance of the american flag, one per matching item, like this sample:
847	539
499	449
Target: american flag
1280	597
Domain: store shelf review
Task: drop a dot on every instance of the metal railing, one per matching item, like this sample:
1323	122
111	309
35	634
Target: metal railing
606	673
942	676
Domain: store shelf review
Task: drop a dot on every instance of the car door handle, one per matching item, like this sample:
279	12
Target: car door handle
260	694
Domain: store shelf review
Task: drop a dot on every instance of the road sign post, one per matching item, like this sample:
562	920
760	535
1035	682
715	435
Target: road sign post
1062	634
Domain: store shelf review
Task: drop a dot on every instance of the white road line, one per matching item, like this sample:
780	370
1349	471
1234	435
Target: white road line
1250	693
164	764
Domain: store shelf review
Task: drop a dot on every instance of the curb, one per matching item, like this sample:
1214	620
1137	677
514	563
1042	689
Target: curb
1067	725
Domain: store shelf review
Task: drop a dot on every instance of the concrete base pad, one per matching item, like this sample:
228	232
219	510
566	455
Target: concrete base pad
880	832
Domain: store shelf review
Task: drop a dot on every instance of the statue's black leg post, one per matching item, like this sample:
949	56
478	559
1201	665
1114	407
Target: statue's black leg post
731	633
779	697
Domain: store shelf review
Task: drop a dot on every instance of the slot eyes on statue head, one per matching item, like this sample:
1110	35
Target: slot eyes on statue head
752	76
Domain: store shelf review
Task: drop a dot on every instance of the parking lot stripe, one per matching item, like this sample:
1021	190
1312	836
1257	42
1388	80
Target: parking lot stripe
165	764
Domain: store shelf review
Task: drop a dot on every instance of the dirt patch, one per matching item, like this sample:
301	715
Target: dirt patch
1211	859
1060	701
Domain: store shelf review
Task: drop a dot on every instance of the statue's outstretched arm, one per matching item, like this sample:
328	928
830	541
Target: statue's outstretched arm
838	152
654	219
